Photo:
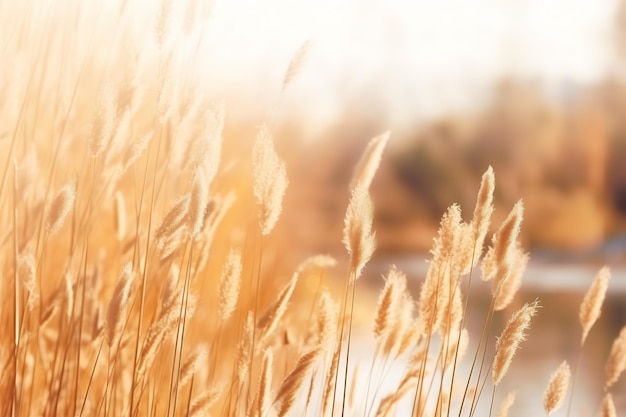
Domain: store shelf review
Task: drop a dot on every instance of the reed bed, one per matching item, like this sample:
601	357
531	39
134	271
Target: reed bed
139	274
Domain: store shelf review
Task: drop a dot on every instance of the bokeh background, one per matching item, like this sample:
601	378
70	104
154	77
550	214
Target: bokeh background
536	89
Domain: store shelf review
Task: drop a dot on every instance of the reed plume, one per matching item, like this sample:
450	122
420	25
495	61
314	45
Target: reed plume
482	216
513	282
367	166
510	339
269	321
27	275
358	237
297	63
388	299
590	309
443	270
103	122
118	307
263	401
506	404
202	403
270	180
557	388
230	281
327	318
292	383
61	206
198	202
608	406
616	362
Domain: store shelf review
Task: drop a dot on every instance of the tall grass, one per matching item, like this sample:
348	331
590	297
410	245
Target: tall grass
136	267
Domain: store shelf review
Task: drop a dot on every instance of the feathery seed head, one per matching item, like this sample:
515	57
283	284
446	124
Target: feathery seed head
61	206
370	160
270	180
512	335
616	362
229	284
358	237
591	306
557	388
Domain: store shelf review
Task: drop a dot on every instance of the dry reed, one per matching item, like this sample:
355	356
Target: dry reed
151	194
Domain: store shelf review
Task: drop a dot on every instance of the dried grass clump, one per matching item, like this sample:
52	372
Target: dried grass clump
210	316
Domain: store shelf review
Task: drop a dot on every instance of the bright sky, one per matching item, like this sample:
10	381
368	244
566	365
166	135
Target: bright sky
415	56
